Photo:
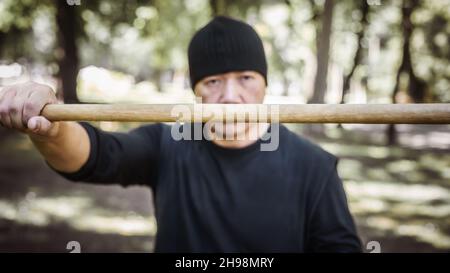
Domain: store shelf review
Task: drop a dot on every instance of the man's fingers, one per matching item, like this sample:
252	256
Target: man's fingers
15	113
33	106
5	103
2	93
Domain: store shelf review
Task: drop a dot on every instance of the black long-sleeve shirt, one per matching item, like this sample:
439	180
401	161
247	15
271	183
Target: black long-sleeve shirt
214	199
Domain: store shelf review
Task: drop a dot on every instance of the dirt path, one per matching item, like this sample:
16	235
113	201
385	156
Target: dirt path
40	211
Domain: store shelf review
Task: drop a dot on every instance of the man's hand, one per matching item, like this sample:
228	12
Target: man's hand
64	145
21	105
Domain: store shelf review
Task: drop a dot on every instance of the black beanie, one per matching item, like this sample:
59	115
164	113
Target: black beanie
225	45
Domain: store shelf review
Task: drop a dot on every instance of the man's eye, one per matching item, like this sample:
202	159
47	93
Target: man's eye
212	82
246	77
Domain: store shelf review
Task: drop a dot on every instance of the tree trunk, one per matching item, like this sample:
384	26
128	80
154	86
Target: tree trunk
2	43
323	50
66	20
364	8
358	54
416	87
218	7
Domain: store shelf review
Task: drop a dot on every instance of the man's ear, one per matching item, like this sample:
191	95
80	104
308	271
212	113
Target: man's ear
197	90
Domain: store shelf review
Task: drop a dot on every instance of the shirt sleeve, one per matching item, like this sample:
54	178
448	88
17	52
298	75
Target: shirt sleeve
121	158
331	227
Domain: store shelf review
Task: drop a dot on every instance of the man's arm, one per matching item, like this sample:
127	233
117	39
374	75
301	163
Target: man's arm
68	150
331	227
121	158
64	145
81	152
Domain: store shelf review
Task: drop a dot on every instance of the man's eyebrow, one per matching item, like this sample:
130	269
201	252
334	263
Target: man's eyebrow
212	77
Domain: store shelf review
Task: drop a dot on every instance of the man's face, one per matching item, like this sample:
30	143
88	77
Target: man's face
232	87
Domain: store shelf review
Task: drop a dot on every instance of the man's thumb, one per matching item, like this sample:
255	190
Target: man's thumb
39	125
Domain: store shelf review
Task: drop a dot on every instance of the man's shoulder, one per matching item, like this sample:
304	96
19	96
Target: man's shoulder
152	128
303	148
151	133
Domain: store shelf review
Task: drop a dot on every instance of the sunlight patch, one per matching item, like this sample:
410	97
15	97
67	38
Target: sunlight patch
77	212
131	225
425	234
397	192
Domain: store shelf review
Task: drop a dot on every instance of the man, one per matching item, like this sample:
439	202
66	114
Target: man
210	196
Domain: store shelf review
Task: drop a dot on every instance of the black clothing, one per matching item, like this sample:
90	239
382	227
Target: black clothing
214	199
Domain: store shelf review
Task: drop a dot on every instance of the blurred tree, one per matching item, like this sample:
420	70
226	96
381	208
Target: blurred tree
148	40
16	21
435	51
323	37
18	34
218	7
68	60
416	87
364	10
323	49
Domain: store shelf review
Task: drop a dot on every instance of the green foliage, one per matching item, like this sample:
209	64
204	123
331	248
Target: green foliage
148	39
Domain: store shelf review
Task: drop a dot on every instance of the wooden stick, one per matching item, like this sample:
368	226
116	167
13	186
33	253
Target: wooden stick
436	113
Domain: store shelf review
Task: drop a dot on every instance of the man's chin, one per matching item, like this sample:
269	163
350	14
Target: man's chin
233	131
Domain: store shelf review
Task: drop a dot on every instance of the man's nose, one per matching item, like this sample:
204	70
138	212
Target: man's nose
231	92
